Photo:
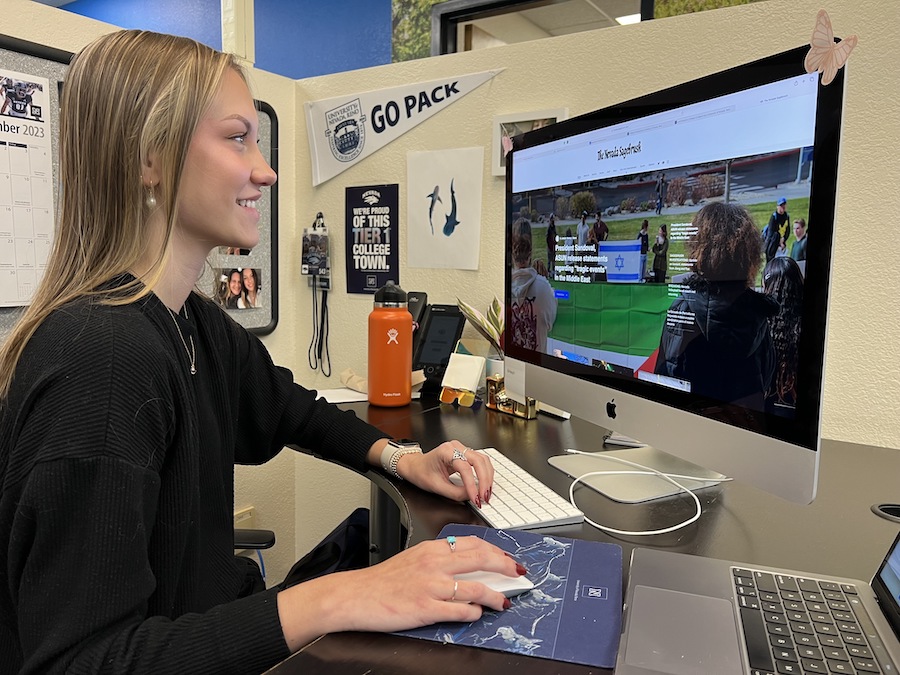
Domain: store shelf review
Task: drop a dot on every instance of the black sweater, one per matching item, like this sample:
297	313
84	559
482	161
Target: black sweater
117	490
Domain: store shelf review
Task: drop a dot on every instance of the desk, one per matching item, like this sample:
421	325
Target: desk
837	534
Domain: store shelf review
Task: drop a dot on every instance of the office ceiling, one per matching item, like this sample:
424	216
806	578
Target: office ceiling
559	17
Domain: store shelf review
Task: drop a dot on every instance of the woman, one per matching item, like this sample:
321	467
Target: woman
235	290
534	306
250	286
783	281
716	336
660	253
126	399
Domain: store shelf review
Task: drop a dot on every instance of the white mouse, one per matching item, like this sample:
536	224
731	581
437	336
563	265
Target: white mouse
509	586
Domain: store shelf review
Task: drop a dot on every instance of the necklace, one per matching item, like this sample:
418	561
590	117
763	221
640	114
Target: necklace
192	353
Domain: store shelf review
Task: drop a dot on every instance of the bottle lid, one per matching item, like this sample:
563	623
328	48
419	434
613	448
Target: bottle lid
390	295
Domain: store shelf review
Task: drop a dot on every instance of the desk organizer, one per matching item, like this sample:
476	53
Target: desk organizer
498	400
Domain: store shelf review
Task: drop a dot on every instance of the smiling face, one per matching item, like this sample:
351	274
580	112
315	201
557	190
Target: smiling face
249	280
224	172
234	284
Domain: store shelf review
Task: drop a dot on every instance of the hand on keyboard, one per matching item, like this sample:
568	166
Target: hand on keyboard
521	501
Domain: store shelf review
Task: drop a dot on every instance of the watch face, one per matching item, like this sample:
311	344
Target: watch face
404	443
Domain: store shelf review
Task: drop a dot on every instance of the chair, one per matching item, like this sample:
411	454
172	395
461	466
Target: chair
253	539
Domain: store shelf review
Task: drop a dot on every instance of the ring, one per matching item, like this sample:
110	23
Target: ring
455	588
458	455
452	541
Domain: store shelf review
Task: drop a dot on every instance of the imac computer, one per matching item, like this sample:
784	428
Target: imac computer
639	298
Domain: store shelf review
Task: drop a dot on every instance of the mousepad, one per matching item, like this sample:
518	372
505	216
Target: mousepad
573	614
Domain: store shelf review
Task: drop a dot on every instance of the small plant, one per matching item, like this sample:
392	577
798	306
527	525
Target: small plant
677	192
490	326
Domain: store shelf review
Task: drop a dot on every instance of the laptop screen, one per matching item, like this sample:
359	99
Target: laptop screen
886	585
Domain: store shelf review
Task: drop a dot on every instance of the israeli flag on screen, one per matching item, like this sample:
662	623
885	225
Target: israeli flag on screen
622	260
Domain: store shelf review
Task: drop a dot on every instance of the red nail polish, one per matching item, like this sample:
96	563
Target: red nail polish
520	569
478	501
487	496
507	603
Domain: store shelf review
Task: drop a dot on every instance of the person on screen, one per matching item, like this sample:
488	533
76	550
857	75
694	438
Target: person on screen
798	248
660	255
534	304
599	231
645	247
250	289
583	229
662	186
783	281
776	230
551	244
716	333
126	397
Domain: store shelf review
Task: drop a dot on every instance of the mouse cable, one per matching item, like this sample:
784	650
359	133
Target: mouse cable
318	355
643	471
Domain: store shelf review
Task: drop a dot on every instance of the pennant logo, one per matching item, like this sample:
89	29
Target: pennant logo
346	131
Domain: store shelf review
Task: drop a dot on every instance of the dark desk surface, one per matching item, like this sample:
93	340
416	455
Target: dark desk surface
837	534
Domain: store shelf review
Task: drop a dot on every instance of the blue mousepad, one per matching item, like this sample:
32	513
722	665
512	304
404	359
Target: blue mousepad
574	612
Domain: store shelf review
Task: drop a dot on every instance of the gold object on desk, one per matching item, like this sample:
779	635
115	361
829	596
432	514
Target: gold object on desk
498	400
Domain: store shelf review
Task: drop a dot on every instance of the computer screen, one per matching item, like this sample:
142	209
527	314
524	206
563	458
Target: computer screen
668	267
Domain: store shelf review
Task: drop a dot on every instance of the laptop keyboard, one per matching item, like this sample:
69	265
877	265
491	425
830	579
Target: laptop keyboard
796	625
520	501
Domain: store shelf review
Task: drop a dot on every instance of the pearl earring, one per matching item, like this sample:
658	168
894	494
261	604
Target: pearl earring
151	198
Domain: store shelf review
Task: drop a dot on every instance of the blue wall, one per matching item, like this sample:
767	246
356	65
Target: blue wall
302	38
294	38
197	19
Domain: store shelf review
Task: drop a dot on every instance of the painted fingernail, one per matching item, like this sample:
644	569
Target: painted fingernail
520	570
487	495
507	603
478	501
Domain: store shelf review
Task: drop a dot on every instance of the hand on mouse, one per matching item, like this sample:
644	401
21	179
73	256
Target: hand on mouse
431	471
413	588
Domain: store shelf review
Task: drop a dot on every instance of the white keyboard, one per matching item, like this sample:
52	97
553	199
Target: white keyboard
519	501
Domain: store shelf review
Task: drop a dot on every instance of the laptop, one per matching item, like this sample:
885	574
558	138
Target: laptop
687	615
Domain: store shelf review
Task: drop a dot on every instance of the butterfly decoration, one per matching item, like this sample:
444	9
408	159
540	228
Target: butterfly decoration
825	55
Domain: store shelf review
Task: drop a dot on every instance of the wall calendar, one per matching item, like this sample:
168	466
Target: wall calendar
26	185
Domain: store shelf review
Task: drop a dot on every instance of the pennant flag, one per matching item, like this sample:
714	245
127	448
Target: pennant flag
345	129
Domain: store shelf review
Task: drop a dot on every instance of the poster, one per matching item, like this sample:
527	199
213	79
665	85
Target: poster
443	210
345	130
372	226
26	185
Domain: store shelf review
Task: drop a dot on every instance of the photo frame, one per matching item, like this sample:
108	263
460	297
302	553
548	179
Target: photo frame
507	126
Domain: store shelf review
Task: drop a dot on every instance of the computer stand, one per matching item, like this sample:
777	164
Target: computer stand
633	488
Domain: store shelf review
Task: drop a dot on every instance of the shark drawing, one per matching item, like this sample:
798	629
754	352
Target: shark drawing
452	222
434	197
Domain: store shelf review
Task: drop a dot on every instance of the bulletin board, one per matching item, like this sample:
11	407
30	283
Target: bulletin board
50	64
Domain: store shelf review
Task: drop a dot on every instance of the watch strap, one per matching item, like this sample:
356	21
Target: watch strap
392	453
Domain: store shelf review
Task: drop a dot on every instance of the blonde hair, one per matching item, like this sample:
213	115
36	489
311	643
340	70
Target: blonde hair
128	97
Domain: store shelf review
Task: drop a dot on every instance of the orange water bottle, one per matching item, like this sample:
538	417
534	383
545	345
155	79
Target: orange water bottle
390	348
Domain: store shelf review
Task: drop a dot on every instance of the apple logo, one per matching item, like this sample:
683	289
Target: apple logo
611	409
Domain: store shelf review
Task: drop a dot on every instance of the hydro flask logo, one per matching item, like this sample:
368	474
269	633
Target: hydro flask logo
392	336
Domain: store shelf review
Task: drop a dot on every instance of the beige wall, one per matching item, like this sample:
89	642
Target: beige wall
582	72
